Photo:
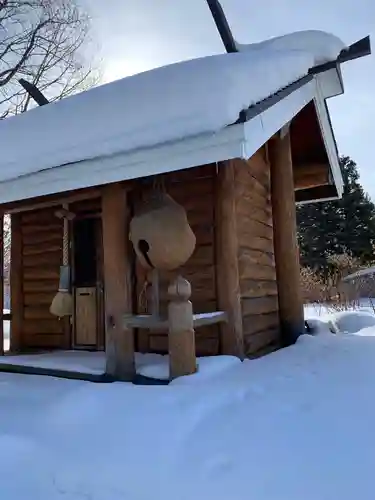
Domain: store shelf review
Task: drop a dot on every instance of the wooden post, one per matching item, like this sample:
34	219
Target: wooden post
120	362
181	337
2	284
16	284
285	238
227	276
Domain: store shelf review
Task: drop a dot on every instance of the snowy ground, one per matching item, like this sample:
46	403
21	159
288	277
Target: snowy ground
297	424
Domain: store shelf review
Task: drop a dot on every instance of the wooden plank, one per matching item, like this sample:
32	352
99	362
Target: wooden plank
227	274
50	259
285	238
39	299
249	271
35	286
250	228
51	228
252	212
85	317
45	249
2	283
250	257
53	201
38	312
40	273
45	341
38	326
256	288
256	242
262	342
117	282
16	284
255	323
260	305
32	239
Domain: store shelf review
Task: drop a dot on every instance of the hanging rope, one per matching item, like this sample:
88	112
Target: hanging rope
66	238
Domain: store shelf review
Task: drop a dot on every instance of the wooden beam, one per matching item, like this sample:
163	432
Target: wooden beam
310	176
120	362
227	275
50	201
16	284
2	285
285	240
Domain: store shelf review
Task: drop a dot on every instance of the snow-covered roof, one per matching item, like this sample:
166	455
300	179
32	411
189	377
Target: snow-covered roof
188	100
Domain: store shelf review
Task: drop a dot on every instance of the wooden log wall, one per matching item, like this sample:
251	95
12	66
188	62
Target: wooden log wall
193	189
37	244
256	261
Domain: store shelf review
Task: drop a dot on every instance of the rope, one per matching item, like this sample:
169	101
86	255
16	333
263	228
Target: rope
66	239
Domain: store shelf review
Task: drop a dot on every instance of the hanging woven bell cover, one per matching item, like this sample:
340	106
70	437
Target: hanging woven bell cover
161	234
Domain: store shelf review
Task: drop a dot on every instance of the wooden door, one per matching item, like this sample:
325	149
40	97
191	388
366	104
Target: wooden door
86	325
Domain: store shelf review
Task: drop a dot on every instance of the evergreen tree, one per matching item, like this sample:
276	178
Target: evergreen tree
334	227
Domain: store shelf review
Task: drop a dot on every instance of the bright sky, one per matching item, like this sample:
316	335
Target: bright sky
136	35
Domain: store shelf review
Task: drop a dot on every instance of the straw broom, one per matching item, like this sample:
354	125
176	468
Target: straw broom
62	304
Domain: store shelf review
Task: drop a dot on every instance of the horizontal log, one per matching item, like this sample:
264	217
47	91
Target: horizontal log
262	342
37	312
47	203
203	256
38	217
204	233
247	178
40	239
310	175
254	228
259	167
36	286
93	204
247	240
37	228
249	256
190	174
42	249
187	193
43	326
33	274
260	305
260	322
255	271
46	260
39	299
201	215
44	341
247	210
256	288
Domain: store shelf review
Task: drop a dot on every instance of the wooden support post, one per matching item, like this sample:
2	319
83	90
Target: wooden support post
227	276
119	345
2	284
16	284
285	238
181	337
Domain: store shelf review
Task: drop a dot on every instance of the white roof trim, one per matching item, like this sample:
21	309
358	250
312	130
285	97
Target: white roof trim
236	141
190	152
271	120
328	138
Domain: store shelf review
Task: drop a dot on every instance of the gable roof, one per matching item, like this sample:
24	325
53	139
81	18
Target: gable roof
187	114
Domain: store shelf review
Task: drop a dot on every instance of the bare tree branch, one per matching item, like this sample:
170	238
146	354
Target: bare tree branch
45	42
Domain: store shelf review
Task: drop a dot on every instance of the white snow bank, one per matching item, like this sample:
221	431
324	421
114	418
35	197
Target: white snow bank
352	321
295	424
166	104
